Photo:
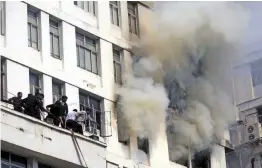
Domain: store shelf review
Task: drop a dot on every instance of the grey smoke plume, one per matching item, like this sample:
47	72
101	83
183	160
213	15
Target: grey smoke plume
185	76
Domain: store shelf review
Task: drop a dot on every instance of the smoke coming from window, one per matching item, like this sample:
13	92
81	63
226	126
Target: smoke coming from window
183	79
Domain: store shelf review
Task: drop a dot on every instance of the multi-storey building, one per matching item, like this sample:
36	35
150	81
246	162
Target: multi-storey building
246	133
78	49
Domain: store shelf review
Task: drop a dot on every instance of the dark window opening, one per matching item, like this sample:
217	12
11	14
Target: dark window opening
11	160
143	144
201	159
259	113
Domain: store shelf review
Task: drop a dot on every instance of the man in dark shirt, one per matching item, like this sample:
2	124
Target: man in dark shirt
17	102
63	108
54	113
33	105
58	111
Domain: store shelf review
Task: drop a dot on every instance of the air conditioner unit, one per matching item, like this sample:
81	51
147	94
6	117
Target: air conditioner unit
251	128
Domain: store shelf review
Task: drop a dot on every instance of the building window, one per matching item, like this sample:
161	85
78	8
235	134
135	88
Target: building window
2	17
86	49
58	91
256	72
143	144
88	6
117	66
32	18
115	12
55	38
9	160
92	106
35	83
3	80
132	17
41	165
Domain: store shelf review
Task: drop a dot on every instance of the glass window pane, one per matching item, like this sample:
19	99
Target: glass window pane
34	34
51	43
77	53
29	33
94	63
79	39
56	45
94	103
82	57
34	79
88	60
81	4
113	2
56	89
115	15
111	14
18	160
53	24
116	55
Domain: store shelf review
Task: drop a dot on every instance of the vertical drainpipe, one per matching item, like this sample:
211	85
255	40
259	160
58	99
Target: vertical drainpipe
189	158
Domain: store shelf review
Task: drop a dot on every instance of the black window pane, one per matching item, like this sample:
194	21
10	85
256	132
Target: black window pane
4	155
18	160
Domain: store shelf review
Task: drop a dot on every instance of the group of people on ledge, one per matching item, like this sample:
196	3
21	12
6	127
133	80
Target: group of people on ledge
58	113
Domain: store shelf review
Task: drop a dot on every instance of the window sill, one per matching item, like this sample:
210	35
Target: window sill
56	58
38	50
88	71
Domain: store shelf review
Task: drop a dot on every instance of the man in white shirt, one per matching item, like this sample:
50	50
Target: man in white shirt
71	121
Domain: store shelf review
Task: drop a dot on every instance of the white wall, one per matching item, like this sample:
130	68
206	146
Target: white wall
17	79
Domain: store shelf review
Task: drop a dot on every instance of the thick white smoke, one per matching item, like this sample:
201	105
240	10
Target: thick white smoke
189	47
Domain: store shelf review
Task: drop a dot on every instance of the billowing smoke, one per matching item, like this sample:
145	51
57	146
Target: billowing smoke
184	78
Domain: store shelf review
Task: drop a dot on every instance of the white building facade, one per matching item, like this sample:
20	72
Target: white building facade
78	49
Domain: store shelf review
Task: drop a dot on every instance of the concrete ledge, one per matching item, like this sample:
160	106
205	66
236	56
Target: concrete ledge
6	108
250	104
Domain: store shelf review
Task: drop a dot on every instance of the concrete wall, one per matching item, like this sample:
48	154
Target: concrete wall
43	139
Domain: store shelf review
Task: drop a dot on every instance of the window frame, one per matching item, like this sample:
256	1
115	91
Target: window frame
87	7
87	47
87	97
115	20
40	84
133	15
2	18
117	62
10	163
53	34
60	88
31	24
